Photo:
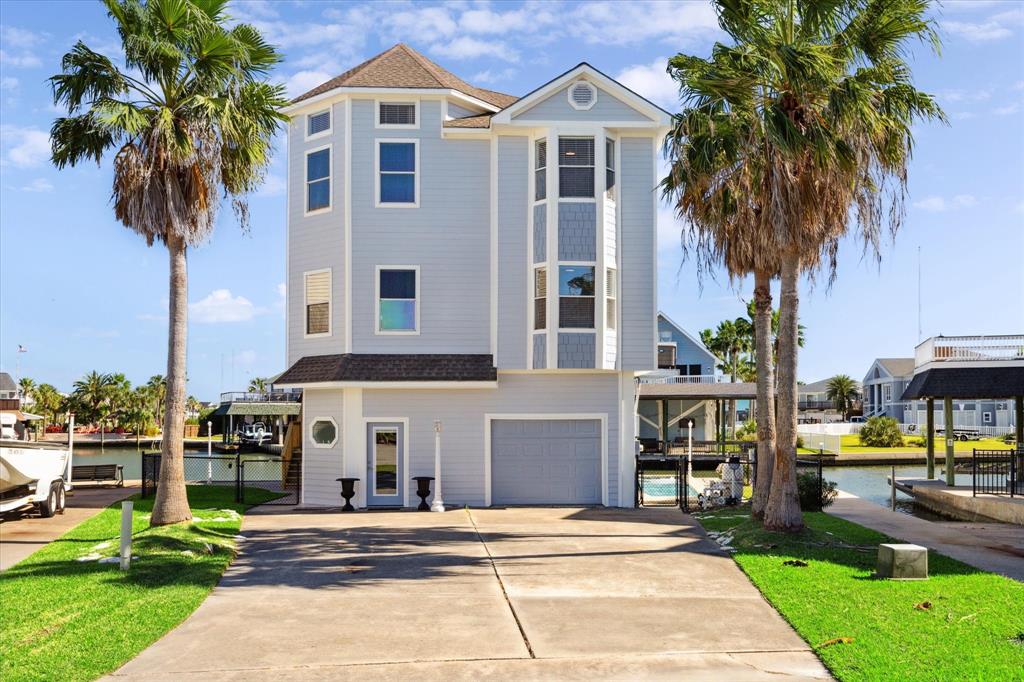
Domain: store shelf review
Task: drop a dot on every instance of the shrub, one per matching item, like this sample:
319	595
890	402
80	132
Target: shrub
881	432
1010	438
921	442
810	493
799	442
747	431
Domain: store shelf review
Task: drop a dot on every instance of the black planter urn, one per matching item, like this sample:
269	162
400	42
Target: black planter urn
348	491
423	490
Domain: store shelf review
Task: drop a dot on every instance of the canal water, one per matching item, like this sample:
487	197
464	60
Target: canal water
130	458
871	483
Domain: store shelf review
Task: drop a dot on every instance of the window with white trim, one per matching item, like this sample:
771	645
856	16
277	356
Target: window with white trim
609	167
887	393
323	432
318	180
986	417
576	167
540	298
611	295
396	164
396	114
540	172
397	301
576	296
318	302
318	123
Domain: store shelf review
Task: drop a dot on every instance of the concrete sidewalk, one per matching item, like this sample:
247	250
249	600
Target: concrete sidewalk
529	593
21	534
994	547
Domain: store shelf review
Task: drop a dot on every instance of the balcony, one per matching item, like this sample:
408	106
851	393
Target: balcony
690	379
260	397
997	349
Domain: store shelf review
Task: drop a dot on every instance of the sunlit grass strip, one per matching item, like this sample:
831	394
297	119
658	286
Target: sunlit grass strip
71	619
960	624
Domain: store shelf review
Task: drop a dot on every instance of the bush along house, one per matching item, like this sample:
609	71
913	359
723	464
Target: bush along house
485	261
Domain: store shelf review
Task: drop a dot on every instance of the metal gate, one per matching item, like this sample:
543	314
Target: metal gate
242	472
661	482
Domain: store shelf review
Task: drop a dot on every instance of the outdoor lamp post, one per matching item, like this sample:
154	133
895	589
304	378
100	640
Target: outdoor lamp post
438	504
209	452
689	449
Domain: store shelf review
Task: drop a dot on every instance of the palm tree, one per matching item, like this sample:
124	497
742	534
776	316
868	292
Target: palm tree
259	385
91	392
842	391
156	387
728	343
49	402
26	389
797	129
187	118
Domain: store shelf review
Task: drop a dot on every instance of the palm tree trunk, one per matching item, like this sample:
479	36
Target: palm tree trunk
783	510
765	391
171	505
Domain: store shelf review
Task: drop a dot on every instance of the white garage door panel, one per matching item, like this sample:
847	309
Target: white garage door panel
535	461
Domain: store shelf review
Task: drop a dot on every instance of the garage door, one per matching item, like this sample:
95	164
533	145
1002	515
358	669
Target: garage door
536	461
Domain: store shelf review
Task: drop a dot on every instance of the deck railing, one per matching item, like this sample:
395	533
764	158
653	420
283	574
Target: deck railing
684	379
260	397
969	349
997	472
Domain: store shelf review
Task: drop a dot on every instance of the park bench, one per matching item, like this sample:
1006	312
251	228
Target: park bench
98	473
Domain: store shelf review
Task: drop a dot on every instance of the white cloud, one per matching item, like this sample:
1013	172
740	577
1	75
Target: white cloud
24	147
652	81
8	83
221	306
487	76
466	47
273	186
282	290
304	81
38	185
1007	110
1019	85
937	204
962	115
428	24
964	95
631	23
995	27
245	357
19	47
530	17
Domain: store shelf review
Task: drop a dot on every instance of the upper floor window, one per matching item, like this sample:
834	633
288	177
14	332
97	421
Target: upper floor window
576	167
540	298
397	115
609	167
540	172
318	179
576	296
397	300
397	181
318	302
887	393
318	124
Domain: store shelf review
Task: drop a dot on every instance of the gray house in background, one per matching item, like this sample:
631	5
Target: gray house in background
814	407
469	261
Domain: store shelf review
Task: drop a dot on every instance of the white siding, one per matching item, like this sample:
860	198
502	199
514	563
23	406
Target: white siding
513	292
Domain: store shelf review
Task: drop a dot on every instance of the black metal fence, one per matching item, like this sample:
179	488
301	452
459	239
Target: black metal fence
997	472
691	482
243	472
811	470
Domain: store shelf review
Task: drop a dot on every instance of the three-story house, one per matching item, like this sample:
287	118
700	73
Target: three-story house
469	261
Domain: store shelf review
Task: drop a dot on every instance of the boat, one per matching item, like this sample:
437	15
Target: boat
37	474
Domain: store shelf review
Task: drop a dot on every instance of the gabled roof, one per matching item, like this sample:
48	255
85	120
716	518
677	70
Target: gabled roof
898	367
822	386
403	67
696	341
7	383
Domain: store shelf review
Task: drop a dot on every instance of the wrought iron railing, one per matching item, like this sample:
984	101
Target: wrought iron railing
998	472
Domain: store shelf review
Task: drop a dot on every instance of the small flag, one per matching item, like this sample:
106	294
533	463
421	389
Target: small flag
22	349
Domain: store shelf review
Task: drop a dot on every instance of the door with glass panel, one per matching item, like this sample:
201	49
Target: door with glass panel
385	477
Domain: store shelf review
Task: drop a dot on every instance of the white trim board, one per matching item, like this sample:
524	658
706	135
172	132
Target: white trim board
520	416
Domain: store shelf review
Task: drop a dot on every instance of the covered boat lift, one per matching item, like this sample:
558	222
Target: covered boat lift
661	390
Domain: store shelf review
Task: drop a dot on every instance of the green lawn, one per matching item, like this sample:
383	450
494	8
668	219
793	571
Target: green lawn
76	620
961	623
851	443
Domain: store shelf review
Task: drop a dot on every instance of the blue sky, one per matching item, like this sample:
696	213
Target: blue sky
80	292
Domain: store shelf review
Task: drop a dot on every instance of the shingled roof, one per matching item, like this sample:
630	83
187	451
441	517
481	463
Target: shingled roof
403	67
389	367
967	383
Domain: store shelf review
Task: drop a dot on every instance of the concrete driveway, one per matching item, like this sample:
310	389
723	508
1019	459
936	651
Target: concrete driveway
526	593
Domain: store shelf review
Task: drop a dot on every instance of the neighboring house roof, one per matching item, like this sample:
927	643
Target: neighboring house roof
258	409
403	67
698	391
696	341
821	386
7	383
898	367
390	367
967	382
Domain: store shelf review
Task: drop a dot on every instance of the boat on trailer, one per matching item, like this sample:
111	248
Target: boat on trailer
36	474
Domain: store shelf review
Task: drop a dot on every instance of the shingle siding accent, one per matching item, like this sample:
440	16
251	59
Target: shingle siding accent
540	233
638	271
540	351
513	266
318	241
577	350
447	236
577	231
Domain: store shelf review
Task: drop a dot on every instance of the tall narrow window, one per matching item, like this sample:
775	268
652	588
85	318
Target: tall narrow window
609	167
318	179
540	298
611	296
397	301
576	296
540	173
576	167
397	166
318	302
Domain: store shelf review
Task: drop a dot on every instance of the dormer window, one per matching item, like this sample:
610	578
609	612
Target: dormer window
397	115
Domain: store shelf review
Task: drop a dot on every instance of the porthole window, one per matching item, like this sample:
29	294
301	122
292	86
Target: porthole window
323	432
582	95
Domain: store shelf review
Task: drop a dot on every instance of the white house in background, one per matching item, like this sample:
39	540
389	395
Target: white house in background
484	261
814	407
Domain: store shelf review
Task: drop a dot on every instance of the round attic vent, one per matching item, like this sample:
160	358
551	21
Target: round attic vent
582	95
